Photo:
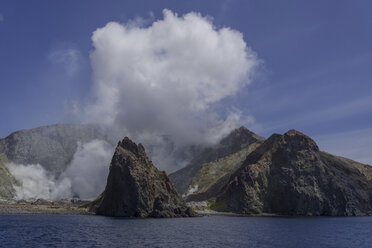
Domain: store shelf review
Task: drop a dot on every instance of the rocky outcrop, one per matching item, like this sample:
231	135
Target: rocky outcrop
52	146
289	175
236	141
135	188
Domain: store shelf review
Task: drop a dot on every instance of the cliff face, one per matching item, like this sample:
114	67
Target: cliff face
135	188
236	141
288	175
50	146
211	177
7	181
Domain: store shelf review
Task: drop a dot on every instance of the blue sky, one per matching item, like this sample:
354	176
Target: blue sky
315	74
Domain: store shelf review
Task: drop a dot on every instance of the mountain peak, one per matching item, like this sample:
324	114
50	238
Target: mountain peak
240	135
129	145
298	140
241	130
294	132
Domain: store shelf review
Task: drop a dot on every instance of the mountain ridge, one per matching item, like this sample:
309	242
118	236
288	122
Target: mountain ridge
289	175
235	141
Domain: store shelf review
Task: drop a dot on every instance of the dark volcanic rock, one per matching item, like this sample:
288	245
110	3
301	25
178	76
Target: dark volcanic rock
288	175
237	140
135	188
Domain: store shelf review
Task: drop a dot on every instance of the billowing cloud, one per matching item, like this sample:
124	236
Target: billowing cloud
85	176
88	170
166	78
34	181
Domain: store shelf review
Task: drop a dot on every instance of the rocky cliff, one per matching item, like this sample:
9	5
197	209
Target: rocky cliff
236	141
7	181
135	188
289	175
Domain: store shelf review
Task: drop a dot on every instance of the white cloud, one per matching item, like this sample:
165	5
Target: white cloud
165	78
68	59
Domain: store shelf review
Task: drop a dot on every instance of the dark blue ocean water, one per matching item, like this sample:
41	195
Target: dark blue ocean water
215	231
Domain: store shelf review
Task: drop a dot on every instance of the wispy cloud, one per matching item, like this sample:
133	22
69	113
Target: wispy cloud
140	21
68	59
352	144
1	17
72	111
327	114
226	4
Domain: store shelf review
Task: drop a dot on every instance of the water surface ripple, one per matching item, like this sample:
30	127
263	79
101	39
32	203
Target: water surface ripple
214	231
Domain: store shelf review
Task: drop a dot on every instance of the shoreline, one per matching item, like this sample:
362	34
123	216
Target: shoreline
231	214
7	208
28	209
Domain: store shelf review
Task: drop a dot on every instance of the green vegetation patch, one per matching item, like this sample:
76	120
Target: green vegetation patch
210	173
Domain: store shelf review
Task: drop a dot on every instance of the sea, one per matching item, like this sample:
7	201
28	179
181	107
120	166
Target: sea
212	231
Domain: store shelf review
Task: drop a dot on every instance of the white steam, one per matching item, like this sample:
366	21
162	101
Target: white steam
165	78
88	170
34	181
85	176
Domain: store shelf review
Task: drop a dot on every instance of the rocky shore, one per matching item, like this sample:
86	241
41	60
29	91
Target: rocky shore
40	206
30	208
